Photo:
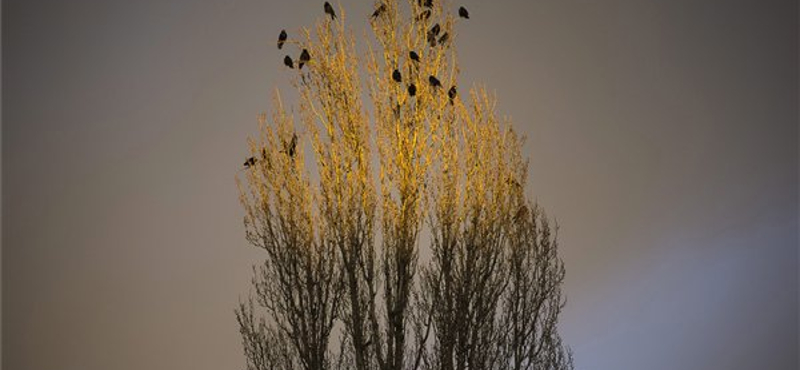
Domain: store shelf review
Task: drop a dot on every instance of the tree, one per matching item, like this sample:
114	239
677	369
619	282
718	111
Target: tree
341	285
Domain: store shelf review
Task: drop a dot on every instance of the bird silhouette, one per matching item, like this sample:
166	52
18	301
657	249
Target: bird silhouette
413	55
434	82
282	38
377	13
435	30
304	58
452	93
293	145
463	13
287	60
329	10
249	162
396	76
424	15
428	3
412	90
432	34
444	38
431	40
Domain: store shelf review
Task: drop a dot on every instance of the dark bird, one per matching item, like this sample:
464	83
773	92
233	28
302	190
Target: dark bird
432	33
424	15
435	30
396	76
249	162
412	90
434	82
452	93
428	3
282	38
329	10
444	38
463	13
377	13
287	60
292	146
413	55
304	58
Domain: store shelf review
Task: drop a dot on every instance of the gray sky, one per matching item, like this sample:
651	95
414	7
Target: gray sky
662	136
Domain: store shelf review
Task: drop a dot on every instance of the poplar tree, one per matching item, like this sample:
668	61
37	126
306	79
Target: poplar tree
419	168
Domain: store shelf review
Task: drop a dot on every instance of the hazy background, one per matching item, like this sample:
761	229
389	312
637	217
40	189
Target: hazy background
662	136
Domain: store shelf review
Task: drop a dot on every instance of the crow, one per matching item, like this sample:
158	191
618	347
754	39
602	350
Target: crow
329	10
424	15
463	13
444	38
396	76
412	90
292	146
432	33
432	40
304	58
250	162
434	82
435	30
379	11
287	60
413	55
282	38
452	94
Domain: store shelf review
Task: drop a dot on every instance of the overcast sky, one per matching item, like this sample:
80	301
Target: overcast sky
662	135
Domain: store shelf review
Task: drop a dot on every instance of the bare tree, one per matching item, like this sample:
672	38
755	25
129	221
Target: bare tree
342	285
533	299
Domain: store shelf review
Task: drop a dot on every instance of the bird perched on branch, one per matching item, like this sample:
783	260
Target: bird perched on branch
452	94
433	33
291	147
282	38
304	58
444	38
377	13
329	10
434	82
435	30
249	162
463	13
412	90
424	15
413	55
396	76
287	60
